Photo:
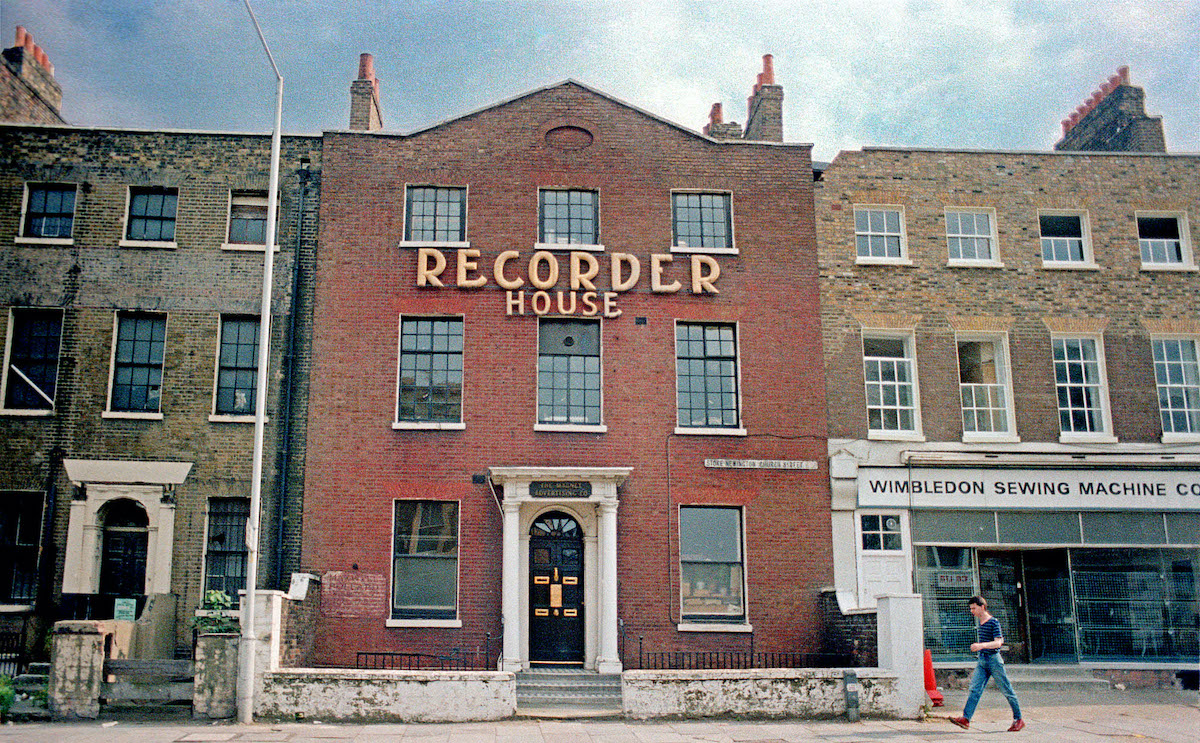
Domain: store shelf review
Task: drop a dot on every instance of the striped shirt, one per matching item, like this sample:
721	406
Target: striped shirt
989	631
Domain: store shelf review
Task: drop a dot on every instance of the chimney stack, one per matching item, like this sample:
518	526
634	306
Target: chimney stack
1113	119
764	118
30	92
365	113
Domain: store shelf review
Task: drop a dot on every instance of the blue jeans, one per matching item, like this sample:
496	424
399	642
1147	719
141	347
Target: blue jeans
989	665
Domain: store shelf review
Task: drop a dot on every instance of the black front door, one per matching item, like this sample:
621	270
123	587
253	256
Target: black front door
555	590
123	548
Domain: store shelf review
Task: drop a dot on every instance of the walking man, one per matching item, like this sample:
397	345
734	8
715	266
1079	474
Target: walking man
989	664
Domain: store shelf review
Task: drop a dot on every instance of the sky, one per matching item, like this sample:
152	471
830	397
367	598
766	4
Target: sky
855	73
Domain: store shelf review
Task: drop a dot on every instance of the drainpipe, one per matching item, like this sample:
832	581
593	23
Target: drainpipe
285	433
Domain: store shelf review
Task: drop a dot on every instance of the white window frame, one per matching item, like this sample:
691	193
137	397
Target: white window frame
1187	257
400	425
8	358
910	353
1085	229
242	197
108	412
991	262
1173	437
213	415
597	247
999	342
465	243
1104	435
868	260
733	246
740	430
21	237
600	427
458	560
126	241
741	625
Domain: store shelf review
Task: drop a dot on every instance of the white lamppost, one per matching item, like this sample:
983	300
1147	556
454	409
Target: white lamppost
249	643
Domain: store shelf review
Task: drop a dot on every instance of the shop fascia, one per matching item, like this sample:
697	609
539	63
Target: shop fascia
534	285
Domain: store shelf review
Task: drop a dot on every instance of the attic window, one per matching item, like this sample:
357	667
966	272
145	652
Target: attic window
569	138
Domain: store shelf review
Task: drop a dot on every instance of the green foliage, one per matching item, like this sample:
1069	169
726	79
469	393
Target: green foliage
7	696
218	614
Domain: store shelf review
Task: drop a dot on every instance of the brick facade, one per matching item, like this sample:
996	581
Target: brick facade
193	281
28	91
564	136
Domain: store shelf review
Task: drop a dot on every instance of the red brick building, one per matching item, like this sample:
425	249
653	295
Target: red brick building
567	385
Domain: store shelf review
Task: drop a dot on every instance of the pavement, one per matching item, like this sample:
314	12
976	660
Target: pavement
1110	716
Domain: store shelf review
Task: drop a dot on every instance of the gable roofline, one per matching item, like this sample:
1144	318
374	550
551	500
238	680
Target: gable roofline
589	89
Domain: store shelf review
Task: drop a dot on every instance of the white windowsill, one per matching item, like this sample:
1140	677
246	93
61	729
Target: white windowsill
1179	267
428	426
895	436
15	608
433	244
1070	266
21	239
224	418
16	413
120	415
447	623
702	249
991	438
590	247
700	431
249	247
570	428
713	627
161	244
1087	438
863	260
1181	438
974	264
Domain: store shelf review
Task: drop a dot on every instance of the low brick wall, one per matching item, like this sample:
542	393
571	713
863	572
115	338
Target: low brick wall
351	695
771	692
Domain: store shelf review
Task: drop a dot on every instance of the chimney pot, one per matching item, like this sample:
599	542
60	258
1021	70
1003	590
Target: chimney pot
768	73
366	67
29	45
1123	73
21	34
1107	88
716	115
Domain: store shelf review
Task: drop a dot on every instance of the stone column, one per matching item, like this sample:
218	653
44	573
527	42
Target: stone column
609	660
511	584
76	670
901	648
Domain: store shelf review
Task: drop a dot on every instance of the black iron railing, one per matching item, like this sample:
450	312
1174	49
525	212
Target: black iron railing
13	658
734	658
485	658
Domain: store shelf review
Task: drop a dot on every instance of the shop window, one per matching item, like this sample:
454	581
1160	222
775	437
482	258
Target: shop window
712	576
702	221
889	371
151	214
1177	374
569	372
1163	240
706	372
31	369
984	388
1064	238
569	218
138	363
1082	391
49	211
431	371
425	560
20	534
945	578
225	554
879	234
237	366
436	214
971	236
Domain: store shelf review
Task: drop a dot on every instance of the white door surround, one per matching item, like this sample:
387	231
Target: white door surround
596	512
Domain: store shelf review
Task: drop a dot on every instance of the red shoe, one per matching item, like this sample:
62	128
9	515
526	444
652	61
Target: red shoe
963	722
1016	726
